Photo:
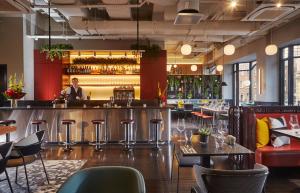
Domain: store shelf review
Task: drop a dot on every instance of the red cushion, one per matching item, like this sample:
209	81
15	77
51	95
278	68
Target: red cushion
285	156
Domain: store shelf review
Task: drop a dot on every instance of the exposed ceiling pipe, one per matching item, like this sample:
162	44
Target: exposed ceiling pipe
130	37
84	27
79	5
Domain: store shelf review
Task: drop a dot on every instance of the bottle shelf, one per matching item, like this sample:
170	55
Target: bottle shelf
100	85
102	74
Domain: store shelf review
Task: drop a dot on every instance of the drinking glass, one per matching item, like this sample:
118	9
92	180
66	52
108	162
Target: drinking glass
180	128
188	133
294	122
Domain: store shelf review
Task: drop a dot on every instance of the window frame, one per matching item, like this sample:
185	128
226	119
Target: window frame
290	59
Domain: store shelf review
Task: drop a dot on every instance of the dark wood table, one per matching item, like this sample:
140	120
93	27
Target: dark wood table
7	130
205	151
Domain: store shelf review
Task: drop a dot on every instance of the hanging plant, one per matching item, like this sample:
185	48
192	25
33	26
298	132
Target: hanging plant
56	50
150	50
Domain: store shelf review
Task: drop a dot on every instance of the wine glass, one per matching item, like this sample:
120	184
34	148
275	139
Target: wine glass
180	128
294	122
188	133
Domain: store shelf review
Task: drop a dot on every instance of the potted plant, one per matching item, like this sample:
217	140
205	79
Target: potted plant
55	51
15	90
204	134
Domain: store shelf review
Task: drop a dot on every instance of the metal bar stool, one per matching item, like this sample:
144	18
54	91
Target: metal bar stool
37	124
99	142
7	123
155	131
67	143
128	134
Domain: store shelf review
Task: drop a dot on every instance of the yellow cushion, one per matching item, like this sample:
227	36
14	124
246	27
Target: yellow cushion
262	132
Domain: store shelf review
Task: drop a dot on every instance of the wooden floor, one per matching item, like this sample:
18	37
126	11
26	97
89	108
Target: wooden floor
156	167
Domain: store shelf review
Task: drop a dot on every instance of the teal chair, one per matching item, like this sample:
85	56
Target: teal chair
105	179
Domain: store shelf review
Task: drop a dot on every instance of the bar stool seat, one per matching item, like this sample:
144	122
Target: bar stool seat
7	122
68	121
38	122
155	121
99	123
127	121
67	143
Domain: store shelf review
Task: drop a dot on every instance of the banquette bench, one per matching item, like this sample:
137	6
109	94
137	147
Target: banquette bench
242	124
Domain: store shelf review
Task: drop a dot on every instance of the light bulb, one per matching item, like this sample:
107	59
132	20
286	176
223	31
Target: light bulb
233	3
271	49
186	49
194	68
278	5
229	49
220	68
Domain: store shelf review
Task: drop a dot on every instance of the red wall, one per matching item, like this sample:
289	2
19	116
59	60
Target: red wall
47	77
153	70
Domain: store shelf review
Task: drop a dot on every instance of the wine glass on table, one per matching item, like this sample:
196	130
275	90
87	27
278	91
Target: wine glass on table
180	128
294	122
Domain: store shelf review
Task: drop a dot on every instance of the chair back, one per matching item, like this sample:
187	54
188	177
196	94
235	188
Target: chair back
105	179
5	150
231	181
31	144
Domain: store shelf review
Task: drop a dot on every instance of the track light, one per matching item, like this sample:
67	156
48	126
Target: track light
233	3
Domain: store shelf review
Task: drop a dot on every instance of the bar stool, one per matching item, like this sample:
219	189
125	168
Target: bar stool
128	134
155	128
99	126
67	143
7	123
37	124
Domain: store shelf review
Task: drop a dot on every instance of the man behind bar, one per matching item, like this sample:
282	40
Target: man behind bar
74	92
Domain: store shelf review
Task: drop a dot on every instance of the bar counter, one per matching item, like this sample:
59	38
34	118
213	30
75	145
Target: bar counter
83	130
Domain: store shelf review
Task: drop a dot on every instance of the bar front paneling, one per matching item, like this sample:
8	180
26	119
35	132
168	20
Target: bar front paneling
83	129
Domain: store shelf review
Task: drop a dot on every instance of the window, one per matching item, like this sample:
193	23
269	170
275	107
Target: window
290	75
245	82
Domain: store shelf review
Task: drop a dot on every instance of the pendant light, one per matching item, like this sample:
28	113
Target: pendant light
229	49
219	68
194	68
186	49
271	49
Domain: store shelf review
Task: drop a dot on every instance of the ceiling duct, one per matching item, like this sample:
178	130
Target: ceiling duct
270	12
188	13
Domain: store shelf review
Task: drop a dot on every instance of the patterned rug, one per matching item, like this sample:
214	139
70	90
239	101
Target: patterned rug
58	171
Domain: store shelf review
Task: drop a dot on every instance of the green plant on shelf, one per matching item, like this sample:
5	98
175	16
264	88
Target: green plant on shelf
55	51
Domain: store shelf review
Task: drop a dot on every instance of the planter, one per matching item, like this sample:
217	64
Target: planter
203	139
13	103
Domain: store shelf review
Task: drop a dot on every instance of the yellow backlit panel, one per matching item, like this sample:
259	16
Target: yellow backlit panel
107	79
103	93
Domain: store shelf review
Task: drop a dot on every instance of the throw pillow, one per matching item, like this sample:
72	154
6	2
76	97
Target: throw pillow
262	132
278	140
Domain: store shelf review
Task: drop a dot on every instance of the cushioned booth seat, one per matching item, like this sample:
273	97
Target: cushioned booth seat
105	179
284	156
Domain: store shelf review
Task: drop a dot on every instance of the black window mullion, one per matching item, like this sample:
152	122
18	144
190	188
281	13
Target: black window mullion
291	76
281	77
250	79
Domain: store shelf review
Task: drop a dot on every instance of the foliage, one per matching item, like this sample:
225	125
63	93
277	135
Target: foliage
15	88
56	50
204	131
94	60
150	50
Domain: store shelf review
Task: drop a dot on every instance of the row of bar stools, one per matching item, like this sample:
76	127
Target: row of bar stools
7	123
67	143
155	128
128	134
99	139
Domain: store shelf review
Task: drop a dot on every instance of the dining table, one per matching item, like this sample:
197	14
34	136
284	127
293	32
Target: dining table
212	148
216	112
6	130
